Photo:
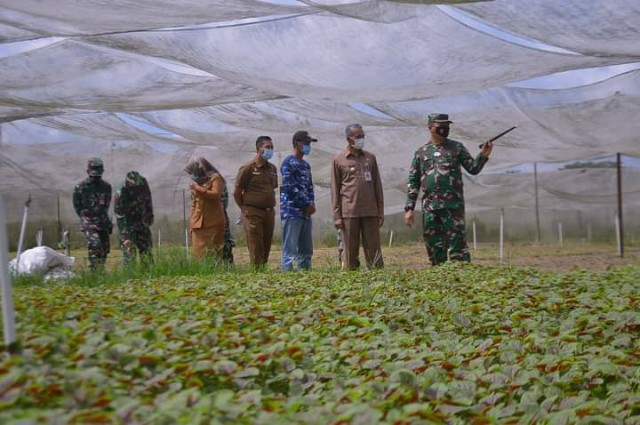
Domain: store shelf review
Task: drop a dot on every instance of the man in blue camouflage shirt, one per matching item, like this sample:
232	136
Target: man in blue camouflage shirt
436	169
134	214
91	201
297	204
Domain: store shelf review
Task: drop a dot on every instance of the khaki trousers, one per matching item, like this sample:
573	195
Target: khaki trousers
207	242
370	231
258	226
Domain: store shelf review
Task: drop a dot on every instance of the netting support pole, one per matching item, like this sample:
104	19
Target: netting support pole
620	225
617	230
535	187
501	235
8	313
390	239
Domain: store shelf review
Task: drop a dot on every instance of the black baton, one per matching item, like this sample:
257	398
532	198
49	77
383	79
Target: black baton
498	136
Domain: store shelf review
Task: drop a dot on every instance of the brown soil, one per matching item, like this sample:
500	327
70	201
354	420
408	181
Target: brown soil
553	258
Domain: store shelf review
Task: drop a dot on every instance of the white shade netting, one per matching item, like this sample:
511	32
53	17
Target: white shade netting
147	85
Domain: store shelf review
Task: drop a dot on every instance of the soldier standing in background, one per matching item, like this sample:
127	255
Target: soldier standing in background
134	214
254	193
436	170
91	201
229	243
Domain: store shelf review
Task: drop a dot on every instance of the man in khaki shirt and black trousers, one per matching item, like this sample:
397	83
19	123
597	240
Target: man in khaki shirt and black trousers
254	193
358	203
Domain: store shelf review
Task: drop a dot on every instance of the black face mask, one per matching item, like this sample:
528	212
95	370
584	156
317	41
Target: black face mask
442	131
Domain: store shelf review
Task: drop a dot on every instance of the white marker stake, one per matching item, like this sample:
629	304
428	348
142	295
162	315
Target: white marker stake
23	228
560	235
8	313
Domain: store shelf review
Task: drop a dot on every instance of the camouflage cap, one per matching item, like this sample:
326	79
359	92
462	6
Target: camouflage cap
133	178
439	118
95	167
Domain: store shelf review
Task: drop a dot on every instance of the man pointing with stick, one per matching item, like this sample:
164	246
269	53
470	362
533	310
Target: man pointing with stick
436	170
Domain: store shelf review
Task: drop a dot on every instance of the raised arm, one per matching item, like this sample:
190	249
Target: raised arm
472	165
212	190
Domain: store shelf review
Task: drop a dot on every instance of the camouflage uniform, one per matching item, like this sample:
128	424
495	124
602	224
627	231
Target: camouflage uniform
134	214
91	200
229	243
436	169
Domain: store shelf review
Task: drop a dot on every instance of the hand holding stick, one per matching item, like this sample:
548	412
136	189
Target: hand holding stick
498	136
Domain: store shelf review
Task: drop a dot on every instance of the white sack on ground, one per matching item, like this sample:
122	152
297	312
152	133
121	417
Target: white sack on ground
41	259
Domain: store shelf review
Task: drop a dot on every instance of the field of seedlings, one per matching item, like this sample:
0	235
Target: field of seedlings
462	343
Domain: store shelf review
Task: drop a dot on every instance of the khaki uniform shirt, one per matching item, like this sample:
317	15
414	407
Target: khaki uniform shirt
206	204
356	188
258	184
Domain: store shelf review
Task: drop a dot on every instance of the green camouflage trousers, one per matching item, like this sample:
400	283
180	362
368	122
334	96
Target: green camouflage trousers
98	246
140	237
229	243
444	232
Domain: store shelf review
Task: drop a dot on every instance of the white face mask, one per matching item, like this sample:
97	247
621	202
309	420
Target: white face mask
358	143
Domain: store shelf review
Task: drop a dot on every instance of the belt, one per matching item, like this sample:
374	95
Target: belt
268	209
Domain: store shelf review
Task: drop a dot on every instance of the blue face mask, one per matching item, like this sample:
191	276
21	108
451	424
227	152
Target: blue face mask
306	149
267	154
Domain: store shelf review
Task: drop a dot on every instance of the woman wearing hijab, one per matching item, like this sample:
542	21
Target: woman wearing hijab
207	222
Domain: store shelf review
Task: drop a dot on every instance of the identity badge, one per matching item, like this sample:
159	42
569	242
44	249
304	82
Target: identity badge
367	176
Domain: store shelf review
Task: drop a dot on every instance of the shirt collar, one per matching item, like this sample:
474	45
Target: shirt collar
256	164
444	143
348	153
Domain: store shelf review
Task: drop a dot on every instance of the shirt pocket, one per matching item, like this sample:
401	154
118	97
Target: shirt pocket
447	162
427	165
351	171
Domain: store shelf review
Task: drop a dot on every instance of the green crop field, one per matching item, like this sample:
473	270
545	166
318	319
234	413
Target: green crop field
455	344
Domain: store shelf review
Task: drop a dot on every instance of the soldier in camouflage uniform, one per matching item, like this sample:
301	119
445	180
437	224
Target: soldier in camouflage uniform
134	214
436	169
91	200
229	242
